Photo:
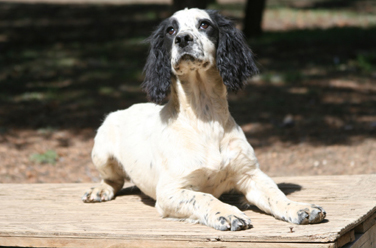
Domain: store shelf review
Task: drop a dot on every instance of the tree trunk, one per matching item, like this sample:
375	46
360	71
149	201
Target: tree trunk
253	18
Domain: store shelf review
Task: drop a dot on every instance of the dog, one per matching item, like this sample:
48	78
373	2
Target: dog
189	151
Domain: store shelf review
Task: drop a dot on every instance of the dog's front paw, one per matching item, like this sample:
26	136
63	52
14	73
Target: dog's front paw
302	213
98	194
230	218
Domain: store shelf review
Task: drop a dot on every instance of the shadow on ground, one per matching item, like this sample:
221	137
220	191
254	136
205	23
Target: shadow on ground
67	66
233	198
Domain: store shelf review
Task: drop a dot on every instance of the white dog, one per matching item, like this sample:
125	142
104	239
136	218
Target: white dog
188	152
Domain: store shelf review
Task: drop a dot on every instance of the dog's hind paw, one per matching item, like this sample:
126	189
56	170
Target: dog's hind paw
98	194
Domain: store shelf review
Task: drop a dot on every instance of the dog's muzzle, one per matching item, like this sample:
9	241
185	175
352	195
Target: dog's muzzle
187	47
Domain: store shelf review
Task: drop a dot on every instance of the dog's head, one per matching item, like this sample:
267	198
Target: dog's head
194	39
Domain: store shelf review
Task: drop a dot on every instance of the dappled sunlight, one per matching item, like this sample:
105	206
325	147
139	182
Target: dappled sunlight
291	19
63	68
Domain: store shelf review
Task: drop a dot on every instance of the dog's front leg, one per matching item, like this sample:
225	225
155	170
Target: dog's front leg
261	191
200	207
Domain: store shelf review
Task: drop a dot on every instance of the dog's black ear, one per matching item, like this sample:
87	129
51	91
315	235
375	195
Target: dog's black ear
157	69
234	58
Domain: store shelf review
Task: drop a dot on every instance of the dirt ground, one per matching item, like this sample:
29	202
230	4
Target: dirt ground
311	111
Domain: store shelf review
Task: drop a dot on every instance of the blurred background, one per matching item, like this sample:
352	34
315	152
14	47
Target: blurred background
65	64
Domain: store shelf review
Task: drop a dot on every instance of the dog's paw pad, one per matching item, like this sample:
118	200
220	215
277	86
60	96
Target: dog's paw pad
97	195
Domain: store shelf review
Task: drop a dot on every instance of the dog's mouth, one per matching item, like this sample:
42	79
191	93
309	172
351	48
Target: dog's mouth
189	61
187	57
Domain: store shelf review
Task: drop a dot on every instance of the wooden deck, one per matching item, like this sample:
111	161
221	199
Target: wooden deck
52	215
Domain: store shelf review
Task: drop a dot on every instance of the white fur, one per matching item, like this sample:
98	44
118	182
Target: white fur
188	152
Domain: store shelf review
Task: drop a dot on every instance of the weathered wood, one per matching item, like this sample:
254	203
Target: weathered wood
120	243
52	215
363	227
346	238
366	240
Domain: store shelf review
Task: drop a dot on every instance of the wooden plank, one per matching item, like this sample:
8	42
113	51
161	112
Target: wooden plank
346	238
55	212
363	227
366	240
120	243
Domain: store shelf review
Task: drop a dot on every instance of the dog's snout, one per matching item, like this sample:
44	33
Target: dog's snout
183	39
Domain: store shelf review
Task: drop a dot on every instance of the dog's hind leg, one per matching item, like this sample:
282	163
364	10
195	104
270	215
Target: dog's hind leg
112	174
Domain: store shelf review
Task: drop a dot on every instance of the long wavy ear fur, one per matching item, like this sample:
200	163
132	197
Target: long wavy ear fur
234	57
157	69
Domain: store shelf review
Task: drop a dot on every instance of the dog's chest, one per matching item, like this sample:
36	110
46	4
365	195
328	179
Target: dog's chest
215	173
212	181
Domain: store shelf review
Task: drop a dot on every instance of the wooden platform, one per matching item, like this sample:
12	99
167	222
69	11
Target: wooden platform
52	215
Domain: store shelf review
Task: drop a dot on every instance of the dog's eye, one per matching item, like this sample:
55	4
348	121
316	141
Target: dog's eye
171	31
204	25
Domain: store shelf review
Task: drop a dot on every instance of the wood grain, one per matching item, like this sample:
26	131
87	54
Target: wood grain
53	215
364	240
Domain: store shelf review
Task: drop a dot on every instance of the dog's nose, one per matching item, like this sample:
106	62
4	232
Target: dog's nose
183	39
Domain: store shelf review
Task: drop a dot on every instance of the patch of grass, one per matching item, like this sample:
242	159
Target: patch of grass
106	90
30	96
267	77
46	130
366	62
65	62
272	78
49	157
292	77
